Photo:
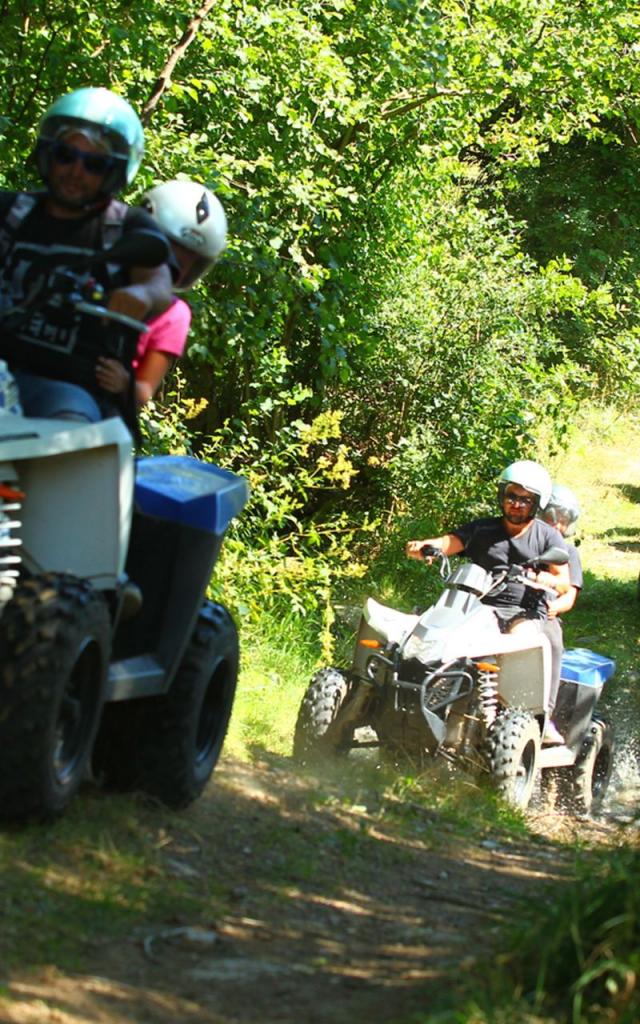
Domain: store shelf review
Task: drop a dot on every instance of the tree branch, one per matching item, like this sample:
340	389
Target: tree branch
164	78
18	115
388	110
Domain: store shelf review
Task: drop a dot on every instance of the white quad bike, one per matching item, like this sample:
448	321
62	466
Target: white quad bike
111	657
449	683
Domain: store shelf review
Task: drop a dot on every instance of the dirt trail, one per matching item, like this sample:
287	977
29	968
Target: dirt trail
310	913
329	914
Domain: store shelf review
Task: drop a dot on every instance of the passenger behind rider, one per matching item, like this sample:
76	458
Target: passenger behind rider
193	220
515	538
563	512
90	145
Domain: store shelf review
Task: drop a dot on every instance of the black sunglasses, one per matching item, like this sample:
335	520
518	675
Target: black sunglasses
519	499
93	163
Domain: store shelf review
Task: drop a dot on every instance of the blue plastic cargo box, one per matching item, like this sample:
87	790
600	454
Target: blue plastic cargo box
581	665
184	490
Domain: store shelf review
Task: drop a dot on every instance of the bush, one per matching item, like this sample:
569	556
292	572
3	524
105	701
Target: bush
579	952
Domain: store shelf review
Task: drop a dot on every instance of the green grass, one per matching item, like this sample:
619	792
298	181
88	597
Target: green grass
278	660
573	957
602	466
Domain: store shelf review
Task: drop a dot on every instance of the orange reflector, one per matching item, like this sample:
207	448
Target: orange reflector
370	643
486	666
11	492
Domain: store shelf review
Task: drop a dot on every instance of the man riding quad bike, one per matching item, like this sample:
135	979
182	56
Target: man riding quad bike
112	657
89	147
458	681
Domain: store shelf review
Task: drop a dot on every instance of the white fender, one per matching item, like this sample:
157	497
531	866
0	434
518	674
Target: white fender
78	480
388	623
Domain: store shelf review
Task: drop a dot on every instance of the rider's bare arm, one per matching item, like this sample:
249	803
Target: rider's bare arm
149	293
149	375
563	603
553	581
112	376
449	544
561	578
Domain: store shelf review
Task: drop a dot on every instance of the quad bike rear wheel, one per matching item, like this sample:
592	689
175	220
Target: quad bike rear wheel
55	640
587	782
168	746
317	730
513	749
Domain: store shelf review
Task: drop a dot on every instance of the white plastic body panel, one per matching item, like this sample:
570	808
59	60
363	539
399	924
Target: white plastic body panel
388	623
525	673
78	480
470	630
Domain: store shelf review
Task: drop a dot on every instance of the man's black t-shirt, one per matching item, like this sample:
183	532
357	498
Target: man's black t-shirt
40	330
487	542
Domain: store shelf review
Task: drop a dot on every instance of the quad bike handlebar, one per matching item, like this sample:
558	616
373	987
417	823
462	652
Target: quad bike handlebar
525	572
139	248
428	551
109	314
502	575
88	296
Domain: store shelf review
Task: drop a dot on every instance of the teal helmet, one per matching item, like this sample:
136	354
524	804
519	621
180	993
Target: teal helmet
563	510
531	476
105	118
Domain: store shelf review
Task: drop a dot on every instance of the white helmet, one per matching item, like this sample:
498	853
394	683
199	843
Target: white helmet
529	475
563	509
191	215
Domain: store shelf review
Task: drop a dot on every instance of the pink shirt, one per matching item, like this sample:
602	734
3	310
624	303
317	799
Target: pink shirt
167	332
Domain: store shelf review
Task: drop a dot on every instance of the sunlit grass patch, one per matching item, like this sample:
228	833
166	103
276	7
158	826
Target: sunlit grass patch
277	662
581	957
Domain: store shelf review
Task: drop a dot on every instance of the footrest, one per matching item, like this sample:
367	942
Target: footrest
556	757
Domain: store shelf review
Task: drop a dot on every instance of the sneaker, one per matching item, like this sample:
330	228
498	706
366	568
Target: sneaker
551	737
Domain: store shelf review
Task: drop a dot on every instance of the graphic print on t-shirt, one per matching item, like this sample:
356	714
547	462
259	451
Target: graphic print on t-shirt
43	312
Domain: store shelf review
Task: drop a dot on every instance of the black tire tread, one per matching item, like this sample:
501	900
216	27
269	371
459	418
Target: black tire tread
150	744
39	631
506	741
319	709
584	793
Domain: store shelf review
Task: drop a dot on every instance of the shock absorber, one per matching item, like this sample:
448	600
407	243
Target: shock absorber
488	691
10	504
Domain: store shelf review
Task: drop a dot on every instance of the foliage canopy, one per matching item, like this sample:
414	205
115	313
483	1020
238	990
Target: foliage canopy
434	226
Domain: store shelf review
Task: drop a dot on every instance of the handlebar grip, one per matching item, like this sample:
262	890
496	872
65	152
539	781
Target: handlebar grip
108	314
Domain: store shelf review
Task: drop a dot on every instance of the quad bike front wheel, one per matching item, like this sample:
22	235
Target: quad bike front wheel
586	783
55	641
317	730
168	746
513	750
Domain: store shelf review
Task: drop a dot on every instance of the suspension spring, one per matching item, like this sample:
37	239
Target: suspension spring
10	521
488	693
